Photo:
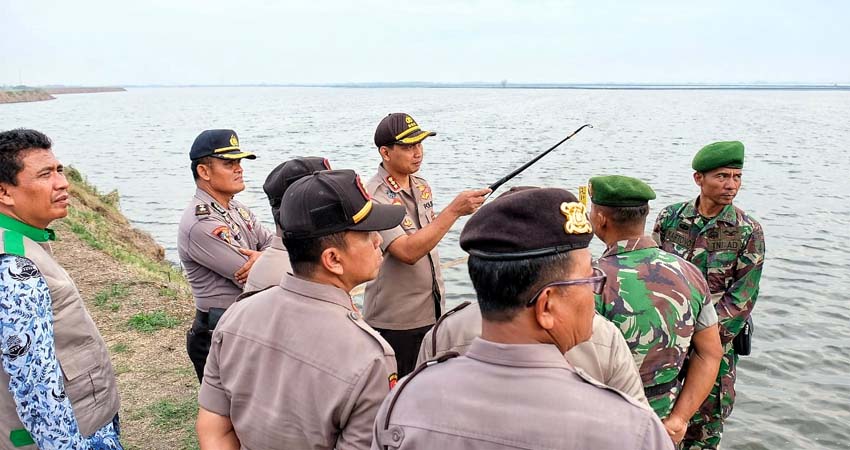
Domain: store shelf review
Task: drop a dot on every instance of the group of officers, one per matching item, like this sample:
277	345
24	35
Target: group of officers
634	350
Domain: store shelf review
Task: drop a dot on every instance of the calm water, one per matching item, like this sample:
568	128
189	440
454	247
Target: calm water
793	392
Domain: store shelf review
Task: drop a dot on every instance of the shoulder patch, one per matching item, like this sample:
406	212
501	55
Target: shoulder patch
223	233
202	210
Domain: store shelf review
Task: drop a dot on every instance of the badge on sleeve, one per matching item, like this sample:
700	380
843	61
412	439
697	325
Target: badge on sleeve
393	379
223	233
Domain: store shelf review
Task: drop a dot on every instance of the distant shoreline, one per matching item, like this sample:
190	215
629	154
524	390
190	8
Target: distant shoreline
577	86
27	94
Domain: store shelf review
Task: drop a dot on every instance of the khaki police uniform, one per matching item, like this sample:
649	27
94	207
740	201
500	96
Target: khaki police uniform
513	396
605	357
296	367
269	268
208	242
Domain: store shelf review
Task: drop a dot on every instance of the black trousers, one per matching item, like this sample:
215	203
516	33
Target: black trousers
406	345
198	340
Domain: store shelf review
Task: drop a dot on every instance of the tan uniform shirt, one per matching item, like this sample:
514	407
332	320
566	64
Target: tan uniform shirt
605	357
296	367
208	244
402	297
500	396
272	265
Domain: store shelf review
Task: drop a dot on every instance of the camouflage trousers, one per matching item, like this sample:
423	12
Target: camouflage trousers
706	426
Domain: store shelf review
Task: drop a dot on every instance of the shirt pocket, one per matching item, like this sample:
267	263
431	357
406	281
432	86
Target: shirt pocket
79	366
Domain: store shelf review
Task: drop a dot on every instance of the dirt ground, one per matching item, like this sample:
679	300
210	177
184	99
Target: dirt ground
156	381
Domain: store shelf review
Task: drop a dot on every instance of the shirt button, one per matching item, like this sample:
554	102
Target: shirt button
353	316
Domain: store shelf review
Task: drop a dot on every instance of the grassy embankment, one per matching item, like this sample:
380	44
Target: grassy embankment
23	95
142	306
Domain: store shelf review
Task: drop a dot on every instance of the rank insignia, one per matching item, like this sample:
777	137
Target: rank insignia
576	215
222	233
392	183
584	194
425	190
407	223
244	214
393	379
202	210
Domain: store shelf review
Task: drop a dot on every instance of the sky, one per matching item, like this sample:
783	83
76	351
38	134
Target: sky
175	42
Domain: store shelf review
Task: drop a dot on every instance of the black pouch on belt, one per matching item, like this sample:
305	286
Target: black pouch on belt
215	315
743	341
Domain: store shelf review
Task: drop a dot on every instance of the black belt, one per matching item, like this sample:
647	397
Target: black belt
658	389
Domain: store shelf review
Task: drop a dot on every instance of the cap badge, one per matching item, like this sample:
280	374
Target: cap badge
408	120
576	215
233	141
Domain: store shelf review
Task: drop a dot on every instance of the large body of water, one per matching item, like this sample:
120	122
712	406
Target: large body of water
793	392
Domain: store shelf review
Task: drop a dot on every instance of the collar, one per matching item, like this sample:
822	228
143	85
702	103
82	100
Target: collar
516	355
630	245
205	197
388	179
36	234
727	214
316	291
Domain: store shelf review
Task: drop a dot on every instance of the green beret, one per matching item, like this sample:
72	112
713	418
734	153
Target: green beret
719	154
617	190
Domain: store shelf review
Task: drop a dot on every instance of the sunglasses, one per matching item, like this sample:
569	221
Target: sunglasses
596	282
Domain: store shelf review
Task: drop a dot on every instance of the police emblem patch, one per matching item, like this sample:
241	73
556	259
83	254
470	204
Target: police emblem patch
393	379
202	210
223	233
576	215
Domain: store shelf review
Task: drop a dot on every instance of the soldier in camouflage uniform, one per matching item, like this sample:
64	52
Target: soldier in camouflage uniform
727	245
659	301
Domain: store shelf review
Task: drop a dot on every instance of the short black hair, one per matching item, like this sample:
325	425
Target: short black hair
204	160
626	215
504	288
12	144
305	254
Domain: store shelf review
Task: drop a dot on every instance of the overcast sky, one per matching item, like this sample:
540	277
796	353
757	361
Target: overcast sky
232	42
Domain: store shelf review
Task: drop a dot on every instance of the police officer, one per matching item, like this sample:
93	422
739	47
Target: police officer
274	262
605	356
57	386
658	300
727	245
295	366
219	239
406	298
531	271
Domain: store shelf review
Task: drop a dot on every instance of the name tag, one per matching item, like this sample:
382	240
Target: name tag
720	245
678	238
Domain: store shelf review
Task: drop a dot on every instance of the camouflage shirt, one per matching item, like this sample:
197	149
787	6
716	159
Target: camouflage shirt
658	300
729	250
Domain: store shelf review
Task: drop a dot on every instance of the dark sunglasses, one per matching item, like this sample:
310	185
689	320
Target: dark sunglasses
597	283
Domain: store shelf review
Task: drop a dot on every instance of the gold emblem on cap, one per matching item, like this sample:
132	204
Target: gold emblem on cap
408	119
233	141
576	215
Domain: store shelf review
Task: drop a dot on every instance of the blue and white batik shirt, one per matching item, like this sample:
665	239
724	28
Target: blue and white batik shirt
29	358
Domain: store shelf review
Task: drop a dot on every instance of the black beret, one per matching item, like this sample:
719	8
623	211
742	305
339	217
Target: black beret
526	224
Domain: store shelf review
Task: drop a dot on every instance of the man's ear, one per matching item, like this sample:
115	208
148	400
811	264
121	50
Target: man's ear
204	172
6	196
543	309
698	177
331	261
385	152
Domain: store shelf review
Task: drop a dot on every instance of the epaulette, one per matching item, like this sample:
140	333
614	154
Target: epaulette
596	383
392	183
357	319
245	295
395	434
202	209
440	320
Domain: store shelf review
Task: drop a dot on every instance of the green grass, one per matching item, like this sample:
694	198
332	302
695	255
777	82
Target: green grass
150	322
177	415
113	292
120	347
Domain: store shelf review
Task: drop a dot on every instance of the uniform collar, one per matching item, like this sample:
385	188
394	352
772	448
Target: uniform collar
316	291
36	234
516	355
205	197
630	245
727	214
